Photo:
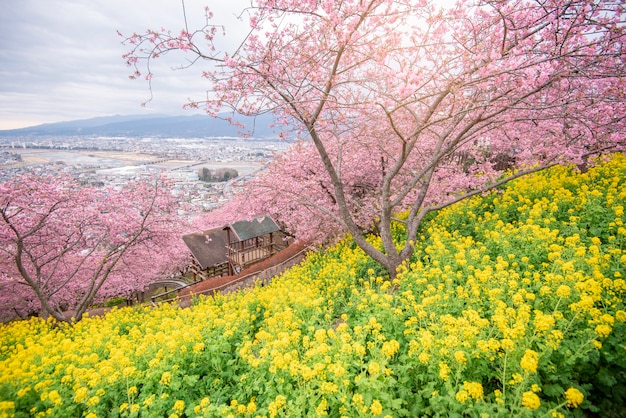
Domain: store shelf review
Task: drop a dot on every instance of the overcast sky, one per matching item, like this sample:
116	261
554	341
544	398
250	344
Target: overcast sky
61	59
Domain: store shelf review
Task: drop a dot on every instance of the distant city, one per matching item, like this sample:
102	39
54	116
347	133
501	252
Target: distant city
99	159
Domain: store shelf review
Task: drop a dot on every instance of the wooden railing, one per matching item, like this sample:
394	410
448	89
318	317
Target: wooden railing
241	258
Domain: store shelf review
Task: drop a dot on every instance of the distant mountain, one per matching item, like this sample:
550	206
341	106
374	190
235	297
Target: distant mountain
196	126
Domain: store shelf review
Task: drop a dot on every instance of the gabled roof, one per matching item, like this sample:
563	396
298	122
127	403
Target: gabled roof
208	247
253	228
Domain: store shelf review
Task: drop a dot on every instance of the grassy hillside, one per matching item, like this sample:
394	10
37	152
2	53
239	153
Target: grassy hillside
513	305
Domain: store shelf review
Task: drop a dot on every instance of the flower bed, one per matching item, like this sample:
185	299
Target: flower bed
513	304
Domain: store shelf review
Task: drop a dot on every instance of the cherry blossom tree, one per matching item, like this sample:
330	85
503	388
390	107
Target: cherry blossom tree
64	245
410	106
295	190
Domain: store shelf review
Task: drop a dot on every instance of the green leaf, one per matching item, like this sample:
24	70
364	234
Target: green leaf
191	380
553	390
606	377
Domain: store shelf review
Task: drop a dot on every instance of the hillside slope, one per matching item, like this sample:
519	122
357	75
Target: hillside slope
512	305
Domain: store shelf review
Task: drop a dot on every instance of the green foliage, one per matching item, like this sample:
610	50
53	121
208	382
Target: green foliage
217	175
115	302
513	305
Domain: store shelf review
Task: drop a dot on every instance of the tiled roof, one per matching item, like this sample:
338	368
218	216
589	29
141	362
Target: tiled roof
253	228
208	247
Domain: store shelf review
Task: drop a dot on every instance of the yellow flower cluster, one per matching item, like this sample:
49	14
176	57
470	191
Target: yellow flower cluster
529	361
530	400
472	390
574	397
499	288
520	282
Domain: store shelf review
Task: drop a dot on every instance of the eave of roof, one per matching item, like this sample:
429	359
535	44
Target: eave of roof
208	247
256	227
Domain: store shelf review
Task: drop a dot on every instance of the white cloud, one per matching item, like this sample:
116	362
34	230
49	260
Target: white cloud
61	59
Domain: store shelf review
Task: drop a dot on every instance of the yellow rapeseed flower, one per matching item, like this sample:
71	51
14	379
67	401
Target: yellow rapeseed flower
93	401
6	407
276	405
251	406
147	402
423	357
166	378
516	378
574	397
322	408
563	291
543	322
80	395
329	387
462	396
529	361
507	344
374	368
603	330
459	357
198	348
55	398
376	407
390	348
179	406
530	400
474	389
444	371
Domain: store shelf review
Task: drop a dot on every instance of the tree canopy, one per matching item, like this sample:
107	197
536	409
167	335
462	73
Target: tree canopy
65	245
404	105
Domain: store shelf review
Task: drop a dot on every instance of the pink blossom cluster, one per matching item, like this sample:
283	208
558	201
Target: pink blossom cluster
65	245
408	105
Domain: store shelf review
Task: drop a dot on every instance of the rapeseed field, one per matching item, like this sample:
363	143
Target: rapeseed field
513	305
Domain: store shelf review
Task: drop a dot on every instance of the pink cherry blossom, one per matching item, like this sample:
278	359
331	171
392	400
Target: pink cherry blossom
65	245
406	105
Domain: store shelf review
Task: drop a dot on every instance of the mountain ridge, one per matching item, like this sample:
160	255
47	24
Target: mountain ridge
152	125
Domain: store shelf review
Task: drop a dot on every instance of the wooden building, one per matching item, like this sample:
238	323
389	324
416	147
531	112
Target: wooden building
252	240
230	249
210	257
